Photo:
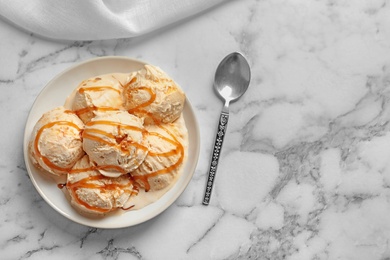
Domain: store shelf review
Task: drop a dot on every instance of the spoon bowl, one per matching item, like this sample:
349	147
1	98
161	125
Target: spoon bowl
231	82
232	77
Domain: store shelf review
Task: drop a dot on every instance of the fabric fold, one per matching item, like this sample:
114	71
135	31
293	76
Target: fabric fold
98	19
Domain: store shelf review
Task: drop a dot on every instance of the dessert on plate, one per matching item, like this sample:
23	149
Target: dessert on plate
120	140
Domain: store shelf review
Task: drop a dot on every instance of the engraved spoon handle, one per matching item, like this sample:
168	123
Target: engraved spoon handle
223	120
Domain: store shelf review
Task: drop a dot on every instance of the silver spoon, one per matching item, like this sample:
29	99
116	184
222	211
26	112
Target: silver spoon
231	81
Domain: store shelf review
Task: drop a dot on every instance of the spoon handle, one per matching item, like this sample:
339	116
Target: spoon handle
223	120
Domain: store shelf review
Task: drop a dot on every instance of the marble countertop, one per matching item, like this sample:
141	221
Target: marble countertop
305	169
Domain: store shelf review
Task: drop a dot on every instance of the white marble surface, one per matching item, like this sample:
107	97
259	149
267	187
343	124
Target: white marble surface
305	169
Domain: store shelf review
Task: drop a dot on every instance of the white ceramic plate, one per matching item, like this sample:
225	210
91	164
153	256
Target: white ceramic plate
53	95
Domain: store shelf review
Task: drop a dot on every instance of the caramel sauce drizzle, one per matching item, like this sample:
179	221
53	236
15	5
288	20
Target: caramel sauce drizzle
98	88
121	144
85	110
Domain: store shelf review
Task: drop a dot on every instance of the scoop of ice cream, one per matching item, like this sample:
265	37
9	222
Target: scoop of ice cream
114	141
56	143
91	192
167	145
100	93
153	95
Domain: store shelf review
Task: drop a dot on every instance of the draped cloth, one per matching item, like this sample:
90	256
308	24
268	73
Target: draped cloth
98	19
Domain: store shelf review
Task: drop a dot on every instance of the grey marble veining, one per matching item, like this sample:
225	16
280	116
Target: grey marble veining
304	172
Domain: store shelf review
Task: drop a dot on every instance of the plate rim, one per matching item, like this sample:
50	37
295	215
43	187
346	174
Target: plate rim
28	165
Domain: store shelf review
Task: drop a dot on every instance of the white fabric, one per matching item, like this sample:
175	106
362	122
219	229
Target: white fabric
98	19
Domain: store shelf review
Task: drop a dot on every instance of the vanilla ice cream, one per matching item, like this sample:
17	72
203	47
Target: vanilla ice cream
91	192
56	143
153	95
167	145
101	93
114	141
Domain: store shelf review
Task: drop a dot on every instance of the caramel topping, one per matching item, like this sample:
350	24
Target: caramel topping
61	185
120	140
98	88
111	123
93	108
133	80
128	208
